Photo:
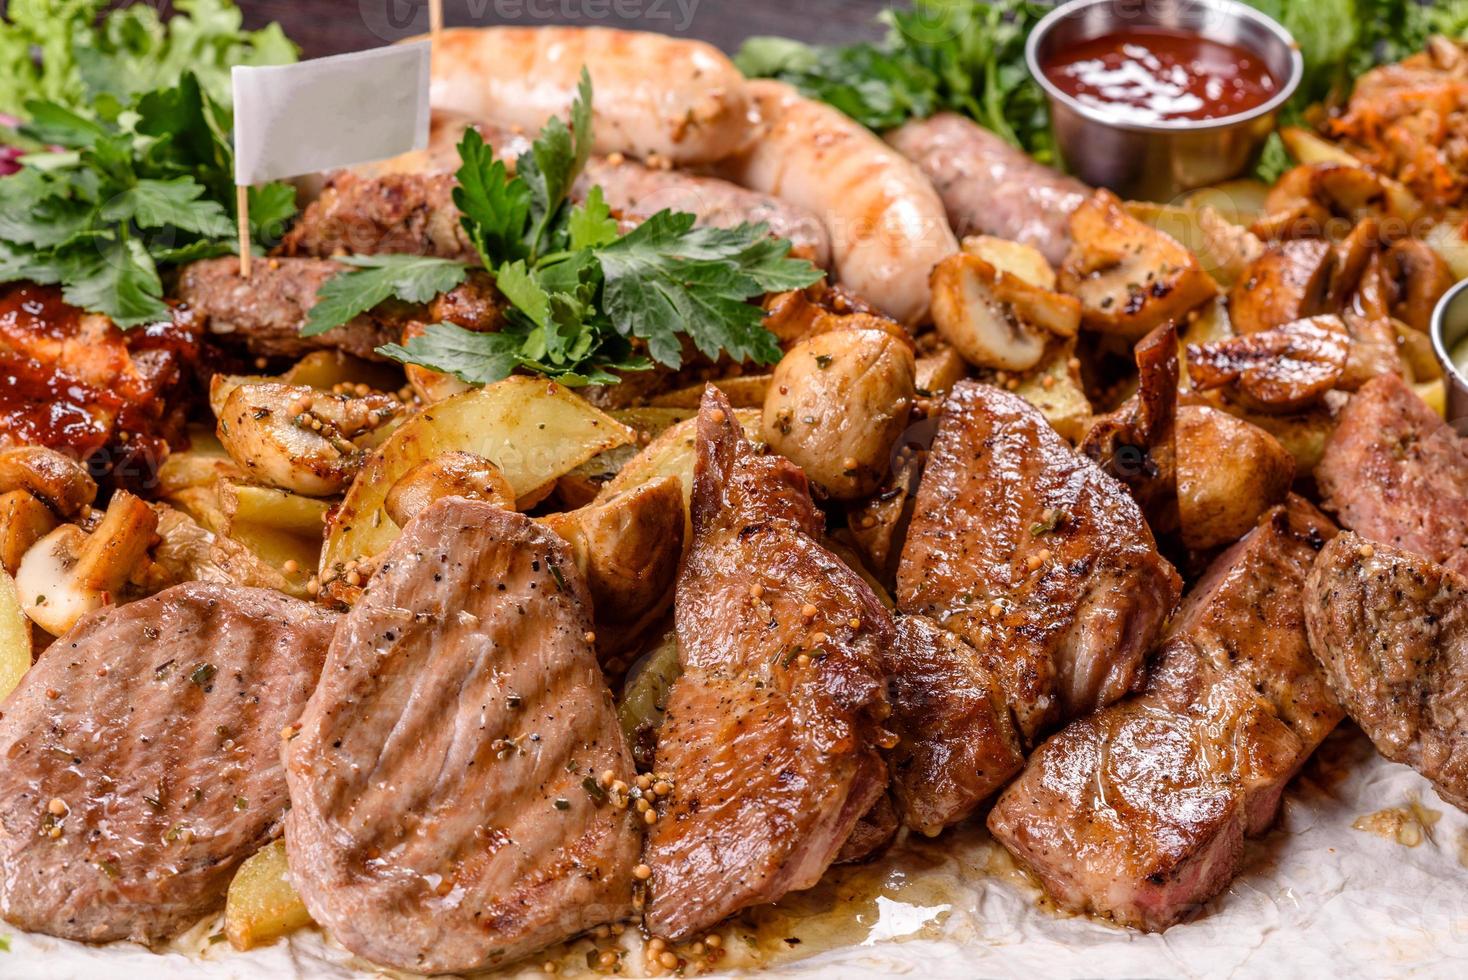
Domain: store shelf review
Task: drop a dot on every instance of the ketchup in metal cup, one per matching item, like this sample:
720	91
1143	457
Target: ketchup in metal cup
1154	75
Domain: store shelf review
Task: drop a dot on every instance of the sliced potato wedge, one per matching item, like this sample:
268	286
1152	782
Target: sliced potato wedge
1054	387
532	429
262	905
15	637
271	507
743	391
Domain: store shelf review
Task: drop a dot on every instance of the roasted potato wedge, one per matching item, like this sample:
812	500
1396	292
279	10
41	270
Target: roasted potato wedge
580	486
1024	262
939	371
1128	276
1228	474
743	391
15	637
1054	387
262	905
645	695
534	430
837	403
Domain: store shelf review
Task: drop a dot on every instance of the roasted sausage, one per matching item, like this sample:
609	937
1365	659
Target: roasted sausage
886	222
989	187
678	99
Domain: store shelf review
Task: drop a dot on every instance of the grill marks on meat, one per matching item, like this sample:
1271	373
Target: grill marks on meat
958	743
74	382
157	727
441	817
1001	487
1394	472
1391	629
771	728
1139	811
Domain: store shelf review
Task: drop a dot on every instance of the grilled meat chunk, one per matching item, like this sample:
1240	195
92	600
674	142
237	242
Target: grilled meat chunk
872	833
958	744
1036	557
1139	812
989	187
1391	629
73	382
771	731
142	759
1394	472
265	314
410	214
446	813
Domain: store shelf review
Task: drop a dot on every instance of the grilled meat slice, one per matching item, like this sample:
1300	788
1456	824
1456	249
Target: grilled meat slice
409	214
142	759
73	382
771	729
958	744
1139	811
266	313
446	813
1036	557
872	833
1391	629
1394	472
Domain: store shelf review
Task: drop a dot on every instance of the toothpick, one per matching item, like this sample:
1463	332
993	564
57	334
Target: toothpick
435	20
242	205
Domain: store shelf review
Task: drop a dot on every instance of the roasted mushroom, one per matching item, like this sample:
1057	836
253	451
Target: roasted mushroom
994	318
1282	369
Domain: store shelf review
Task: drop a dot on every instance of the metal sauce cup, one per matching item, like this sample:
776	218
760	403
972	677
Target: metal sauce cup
1158	161
1449	329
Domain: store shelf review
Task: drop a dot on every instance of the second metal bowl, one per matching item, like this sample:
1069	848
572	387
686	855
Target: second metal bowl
1162	160
1450	331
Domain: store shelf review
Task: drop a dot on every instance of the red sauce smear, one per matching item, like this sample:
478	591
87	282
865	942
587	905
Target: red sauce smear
1156	74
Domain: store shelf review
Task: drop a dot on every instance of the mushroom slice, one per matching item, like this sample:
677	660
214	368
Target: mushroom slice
1128	276
298	438
1290	281
24	520
995	319
1417	278
55	479
69	572
1306	201
1283	369
450	474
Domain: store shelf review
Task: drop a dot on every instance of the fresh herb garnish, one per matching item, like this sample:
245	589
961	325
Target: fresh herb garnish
123	193
585	300
962	55
411	278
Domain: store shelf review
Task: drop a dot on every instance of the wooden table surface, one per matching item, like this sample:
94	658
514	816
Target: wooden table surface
323	27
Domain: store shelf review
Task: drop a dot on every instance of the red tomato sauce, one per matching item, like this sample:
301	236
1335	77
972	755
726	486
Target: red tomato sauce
1156	75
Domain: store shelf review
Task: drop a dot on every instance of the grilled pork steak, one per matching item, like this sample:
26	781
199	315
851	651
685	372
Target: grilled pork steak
142	759
958	744
446	808
1391	629
1394	472
1139	812
1036	557
771	730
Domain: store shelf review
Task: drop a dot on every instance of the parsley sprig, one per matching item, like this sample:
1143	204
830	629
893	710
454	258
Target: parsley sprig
585	300
107	199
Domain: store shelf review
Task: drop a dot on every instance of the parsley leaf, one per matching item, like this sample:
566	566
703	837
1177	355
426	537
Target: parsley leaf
586	301
411	278
667	277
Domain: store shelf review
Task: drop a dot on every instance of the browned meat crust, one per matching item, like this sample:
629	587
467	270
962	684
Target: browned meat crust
446	810
1394	472
1036	557
1139	811
1391	629
958	743
265	314
408	214
142	759
771	730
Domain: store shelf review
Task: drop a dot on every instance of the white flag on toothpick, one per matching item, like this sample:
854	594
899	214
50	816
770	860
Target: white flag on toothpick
329	112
